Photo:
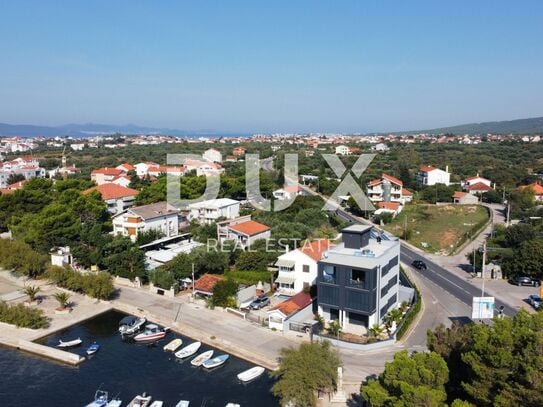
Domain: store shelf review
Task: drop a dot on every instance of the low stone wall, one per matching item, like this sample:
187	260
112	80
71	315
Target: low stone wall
356	346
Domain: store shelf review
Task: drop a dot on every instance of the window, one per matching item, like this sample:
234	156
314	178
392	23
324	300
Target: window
334	314
305	268
329	274
358	277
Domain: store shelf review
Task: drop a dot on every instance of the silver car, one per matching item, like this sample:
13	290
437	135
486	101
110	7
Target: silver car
535	301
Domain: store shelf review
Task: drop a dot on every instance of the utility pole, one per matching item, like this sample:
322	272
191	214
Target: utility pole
192	280
474	268
508	214
483	270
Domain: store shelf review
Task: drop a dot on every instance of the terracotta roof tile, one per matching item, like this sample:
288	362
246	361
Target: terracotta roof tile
405	191
316	248
107	171
207	283
249	228
536	187
459	194
479	186
392	206
293	304
112	191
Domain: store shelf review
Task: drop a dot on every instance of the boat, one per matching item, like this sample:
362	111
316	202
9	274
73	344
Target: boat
233	405
251	374
157	403
69	344
100	399
216	361
183	403
114	403
91	350
173	345
130	324
140	401
188	350
201	358
152	332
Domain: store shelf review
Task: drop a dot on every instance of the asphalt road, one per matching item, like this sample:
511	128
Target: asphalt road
440	276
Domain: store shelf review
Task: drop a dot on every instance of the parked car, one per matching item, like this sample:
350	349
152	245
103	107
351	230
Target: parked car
260	302
523	280
535	301
419	265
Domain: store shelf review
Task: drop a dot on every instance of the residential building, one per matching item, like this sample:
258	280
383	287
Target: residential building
428	175
212	155
343	150
243	231
106	175
205	284
358	280
210	211
388	189
380	147
203	167
298	268
142	169
26	166
177	171
116	197
536	188
159	216
388	207
279	315
476	185
464	198
239	151
288	192
126	167
123	180
61	256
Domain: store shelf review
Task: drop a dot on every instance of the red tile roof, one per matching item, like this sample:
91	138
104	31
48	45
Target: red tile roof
294	304
249	228
405	191
127	166
392	206
107	171
474	177
17	185
316	248
459	194
293	188
112	191
207	283
5	191
479	186
536	187
388	177
427	168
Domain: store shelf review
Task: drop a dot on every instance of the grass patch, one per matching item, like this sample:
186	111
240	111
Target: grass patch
439	229
249	277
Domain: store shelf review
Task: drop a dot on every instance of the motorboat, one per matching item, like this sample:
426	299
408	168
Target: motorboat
188	350
183	403
152	332
130	324
140	401
100	399
91	350
173	345
233	405
157	403
251	374
201	358
215	362
69	344
114	403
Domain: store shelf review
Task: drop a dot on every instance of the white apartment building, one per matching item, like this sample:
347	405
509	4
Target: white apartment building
388	189
212	155
26	166
343	150
210	211
159	216
428	175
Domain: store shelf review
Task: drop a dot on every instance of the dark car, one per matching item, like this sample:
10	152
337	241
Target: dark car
523	280
419	265
260	302
535	301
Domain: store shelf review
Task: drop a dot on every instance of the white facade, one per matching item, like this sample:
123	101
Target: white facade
296	271
159	216
27	167
207	212
433	176
343	150
142	169
212	155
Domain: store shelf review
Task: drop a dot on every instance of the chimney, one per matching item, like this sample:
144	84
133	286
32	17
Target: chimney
446	168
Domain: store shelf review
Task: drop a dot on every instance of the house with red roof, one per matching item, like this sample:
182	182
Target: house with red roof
387	188
116	197
243	231
288	192
429	175
476	185
239	151
298	268
537	189
282	316
106	175
126	167
205	284
464	198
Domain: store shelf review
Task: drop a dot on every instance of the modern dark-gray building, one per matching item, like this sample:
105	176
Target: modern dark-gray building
358	280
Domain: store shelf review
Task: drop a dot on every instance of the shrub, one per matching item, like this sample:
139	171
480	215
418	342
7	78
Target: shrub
22	317
162	278
97	285
411	314
223	293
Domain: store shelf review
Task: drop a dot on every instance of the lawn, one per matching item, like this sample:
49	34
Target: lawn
438	229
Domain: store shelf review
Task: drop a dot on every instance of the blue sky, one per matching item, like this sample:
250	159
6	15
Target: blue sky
271	66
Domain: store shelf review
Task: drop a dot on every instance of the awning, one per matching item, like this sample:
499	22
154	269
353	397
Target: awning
285	263
285	280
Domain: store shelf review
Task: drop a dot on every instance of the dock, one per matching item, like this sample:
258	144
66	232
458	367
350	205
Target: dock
42	350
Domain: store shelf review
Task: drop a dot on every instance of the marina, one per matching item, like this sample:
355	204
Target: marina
125	369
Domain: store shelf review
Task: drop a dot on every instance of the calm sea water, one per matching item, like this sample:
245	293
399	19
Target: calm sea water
126	369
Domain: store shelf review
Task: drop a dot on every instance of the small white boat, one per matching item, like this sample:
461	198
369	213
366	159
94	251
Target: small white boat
251	374
188	350
157	403
69	344
91	350
152	333
201	358
183	403
233	405
216	361
115	403
173	345
100	399
130	324
140	401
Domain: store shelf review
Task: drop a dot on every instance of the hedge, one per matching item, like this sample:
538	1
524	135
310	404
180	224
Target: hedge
97	285
249	277
22	316
412	313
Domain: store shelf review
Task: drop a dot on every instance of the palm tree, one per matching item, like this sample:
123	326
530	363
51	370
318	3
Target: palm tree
376	330
31	291
394	315
63	299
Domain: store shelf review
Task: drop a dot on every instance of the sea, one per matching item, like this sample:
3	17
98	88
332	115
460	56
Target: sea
124	369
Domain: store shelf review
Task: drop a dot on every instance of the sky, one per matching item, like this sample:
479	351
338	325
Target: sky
271	66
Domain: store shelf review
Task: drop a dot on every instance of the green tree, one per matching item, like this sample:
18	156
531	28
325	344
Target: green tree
223	293
304	371
516	234
13	178
123	258
164	279
416	380
252	260
526	260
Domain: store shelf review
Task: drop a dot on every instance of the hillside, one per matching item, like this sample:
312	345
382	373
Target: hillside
519	126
